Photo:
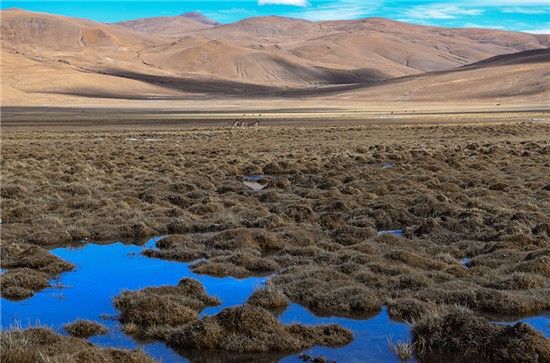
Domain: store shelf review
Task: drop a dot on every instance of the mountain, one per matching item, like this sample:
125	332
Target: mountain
512	78
58	33
195	15
170	26
255	57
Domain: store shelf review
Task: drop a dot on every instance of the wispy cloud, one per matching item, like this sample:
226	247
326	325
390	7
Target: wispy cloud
301	3
525	10
440	11
537	31
339	9
507	2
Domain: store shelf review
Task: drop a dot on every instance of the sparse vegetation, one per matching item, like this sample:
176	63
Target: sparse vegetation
85	329
403	350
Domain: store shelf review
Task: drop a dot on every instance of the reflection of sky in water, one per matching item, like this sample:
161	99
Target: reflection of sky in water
103	271
465	261
395	232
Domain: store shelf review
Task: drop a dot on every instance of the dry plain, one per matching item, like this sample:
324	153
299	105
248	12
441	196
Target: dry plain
458	185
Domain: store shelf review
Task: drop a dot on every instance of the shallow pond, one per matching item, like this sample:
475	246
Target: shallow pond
254	182
395	232
103	271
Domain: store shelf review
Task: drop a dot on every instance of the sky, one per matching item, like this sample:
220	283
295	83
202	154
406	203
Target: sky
521	15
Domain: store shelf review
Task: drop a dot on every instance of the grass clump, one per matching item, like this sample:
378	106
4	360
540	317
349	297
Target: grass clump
250	328
403	350
328	292
44	345
85	329
462	333
29	269
269	297
22	255
163	306
409	309
21	283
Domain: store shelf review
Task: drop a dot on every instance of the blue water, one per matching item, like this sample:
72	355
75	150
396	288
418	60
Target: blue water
395	232
465	261
539	322
103	271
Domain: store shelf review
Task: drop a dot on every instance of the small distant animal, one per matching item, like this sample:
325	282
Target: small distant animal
243	123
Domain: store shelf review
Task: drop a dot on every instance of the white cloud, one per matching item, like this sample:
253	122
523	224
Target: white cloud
525	10
538	31
339	10
301	3
440	11
507	2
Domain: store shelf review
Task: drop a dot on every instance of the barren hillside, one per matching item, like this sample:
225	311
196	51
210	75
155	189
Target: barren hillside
190	55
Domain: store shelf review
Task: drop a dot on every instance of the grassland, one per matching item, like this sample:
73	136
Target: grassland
459	186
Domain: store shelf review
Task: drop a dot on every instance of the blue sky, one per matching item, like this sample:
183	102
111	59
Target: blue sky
522	15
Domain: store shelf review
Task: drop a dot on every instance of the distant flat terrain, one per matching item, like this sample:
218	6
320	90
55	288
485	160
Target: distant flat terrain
98	118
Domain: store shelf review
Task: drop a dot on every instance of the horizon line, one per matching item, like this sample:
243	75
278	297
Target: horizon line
219	23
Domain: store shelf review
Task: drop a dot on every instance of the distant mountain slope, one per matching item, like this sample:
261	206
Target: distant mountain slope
170	26
195	15
53	32
401	49
191	54
261	65
519	76
389	48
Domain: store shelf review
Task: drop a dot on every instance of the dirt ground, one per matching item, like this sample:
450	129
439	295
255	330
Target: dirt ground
459	186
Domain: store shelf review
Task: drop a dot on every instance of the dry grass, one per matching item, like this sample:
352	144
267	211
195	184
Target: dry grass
270	298
43	345
21	283
162	306
253	329
403	350
29	268
85	329
460	333
456	190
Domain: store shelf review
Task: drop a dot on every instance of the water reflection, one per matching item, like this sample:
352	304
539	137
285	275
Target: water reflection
103	271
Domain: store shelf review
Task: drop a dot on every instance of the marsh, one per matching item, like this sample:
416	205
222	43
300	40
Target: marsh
460	218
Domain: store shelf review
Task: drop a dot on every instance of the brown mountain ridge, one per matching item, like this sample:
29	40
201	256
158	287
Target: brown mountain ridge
176	57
